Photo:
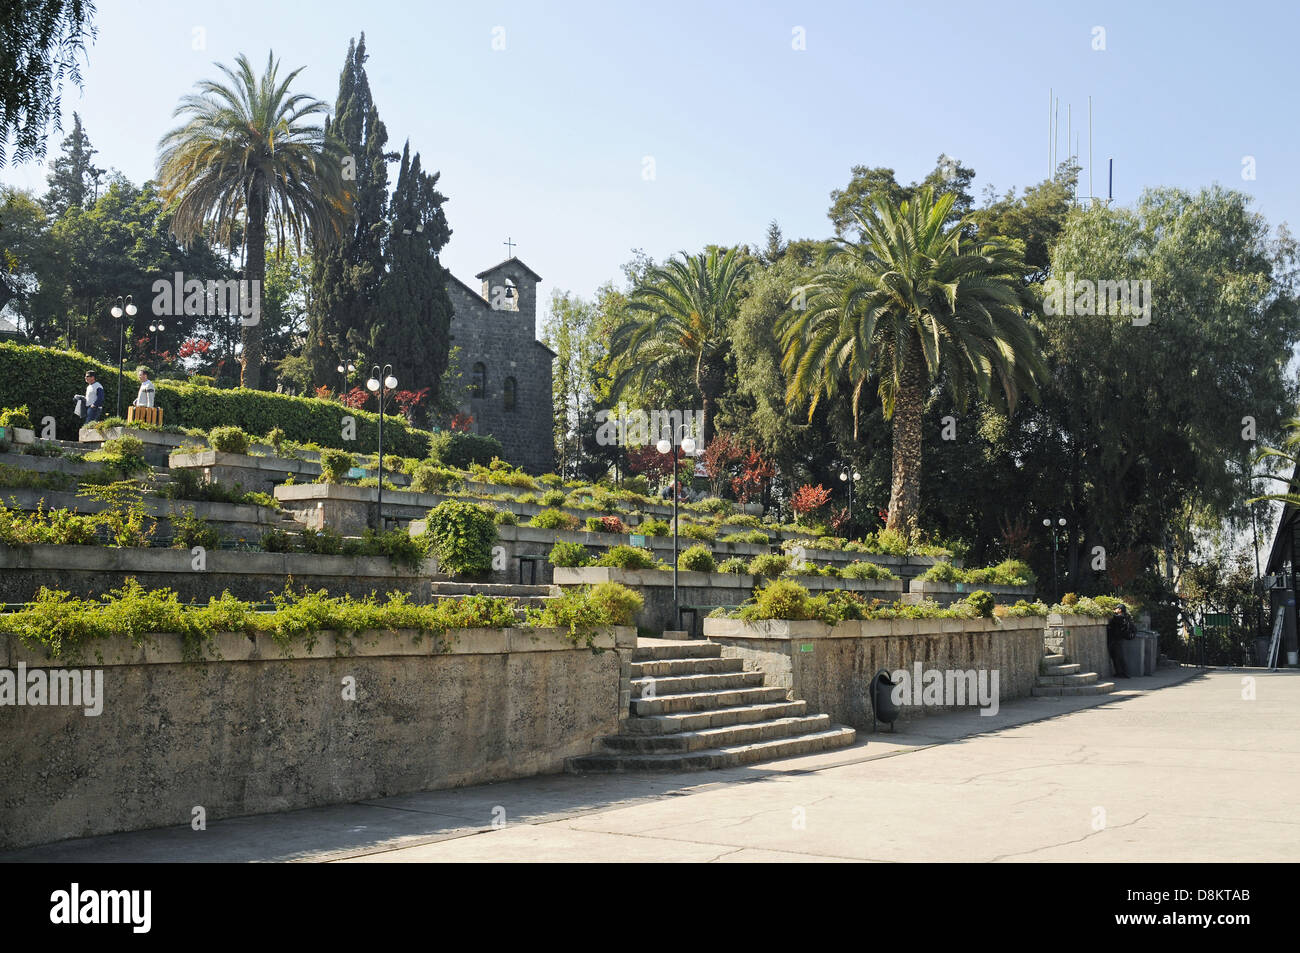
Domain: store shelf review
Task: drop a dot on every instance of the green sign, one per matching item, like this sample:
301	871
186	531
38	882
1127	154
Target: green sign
356	473
806	647
636	540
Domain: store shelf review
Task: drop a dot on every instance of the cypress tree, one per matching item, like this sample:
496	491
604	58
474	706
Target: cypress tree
72	178
346	278
413	318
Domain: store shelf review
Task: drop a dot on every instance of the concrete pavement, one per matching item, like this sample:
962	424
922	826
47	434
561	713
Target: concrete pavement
1175	767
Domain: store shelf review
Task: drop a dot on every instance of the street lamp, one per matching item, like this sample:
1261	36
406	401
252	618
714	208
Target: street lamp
122	307
665	445
155	328
344	371
373	385
1056	531
844	478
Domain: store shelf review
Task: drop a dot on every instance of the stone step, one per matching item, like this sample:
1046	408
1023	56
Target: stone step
1059	691
1054	659
724	736
1073	668
1084	678
487	589
677	635
687	684
649	653
717	718
706	701
686	666
713	758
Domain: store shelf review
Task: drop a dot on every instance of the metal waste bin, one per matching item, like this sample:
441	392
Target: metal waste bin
1151	654
1131	650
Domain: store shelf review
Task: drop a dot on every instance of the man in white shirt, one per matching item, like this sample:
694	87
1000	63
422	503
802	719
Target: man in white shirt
94	398
146	396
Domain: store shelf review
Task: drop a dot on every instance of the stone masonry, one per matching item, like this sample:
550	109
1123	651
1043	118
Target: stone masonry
496	331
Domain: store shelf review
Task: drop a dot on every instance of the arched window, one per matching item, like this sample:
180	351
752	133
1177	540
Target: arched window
478	383
508	393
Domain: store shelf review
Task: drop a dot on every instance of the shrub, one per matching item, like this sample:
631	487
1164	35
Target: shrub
16	417
569	555
124	515
583	610
461	535
335	466
735	564
277	541
891	542
552	498
780	599
982	602
768	564
743	519
276	438
1069	599
627	557
321	542
428	477
615	603
605	524
638	484
228	439
696	531
716	505
550	479
505	518
189	531
865	570
455	448
475	611
655	527
696	559
19	478
1013	572
756	536
942	572
60	527
1022	609
554	519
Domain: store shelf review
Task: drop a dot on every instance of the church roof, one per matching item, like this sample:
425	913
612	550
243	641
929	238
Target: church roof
511	260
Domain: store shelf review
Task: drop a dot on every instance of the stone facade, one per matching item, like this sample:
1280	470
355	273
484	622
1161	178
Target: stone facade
496	331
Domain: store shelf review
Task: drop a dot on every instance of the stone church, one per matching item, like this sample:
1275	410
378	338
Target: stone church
506	369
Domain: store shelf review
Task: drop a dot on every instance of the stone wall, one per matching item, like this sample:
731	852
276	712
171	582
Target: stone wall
256	732
1080	639
831	668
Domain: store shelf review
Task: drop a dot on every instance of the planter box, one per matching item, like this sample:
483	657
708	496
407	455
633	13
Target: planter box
258	473
946	593
20	435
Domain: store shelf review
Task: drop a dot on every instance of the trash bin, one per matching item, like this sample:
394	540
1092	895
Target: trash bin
1151	654
1131	651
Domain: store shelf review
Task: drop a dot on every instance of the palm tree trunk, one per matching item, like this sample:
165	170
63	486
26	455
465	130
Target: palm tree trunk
250	374
905	489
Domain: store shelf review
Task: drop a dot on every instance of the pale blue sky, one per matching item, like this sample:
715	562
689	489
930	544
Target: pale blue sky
544	141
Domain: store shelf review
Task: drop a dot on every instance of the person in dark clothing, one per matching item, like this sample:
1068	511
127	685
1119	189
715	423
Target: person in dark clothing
1118	630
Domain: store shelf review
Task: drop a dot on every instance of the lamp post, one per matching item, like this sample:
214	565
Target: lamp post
344	370
155	328
122	307
665	445
844	478
1056	530
374	385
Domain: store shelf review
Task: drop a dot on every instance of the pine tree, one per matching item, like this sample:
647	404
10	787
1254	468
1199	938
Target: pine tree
775	243
73	177
347	277
412	321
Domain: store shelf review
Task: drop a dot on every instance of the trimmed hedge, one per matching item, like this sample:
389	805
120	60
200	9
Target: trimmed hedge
47	380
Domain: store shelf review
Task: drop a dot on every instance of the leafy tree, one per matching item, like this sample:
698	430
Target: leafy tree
40	42
73	178
909	299
868	186
581	383
775	246
245	155
683	308
29	289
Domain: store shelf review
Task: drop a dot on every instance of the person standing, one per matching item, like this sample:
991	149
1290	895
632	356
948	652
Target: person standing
94	398
1118	630
145	398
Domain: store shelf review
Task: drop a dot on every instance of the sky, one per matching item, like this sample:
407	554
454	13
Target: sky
581	131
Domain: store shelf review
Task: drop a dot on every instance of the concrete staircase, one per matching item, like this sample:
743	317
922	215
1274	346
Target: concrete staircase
693	710
1060	678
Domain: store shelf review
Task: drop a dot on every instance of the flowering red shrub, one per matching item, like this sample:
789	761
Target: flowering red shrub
840	520
809	499
612	524
355	398
461	422
324	393
754	477
194	347
408	400
654	465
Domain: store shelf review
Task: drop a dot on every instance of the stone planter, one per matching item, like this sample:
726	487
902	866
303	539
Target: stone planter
946	593
20	435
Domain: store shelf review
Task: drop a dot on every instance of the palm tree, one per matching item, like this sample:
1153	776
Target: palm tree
243	156
908	300
685	308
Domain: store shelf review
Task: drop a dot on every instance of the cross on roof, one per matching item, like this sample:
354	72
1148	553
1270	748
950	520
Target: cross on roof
510	247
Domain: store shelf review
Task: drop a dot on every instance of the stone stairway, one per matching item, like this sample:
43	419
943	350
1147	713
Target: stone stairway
1060	678
692	709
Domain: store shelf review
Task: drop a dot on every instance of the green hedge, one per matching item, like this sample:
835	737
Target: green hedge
47	381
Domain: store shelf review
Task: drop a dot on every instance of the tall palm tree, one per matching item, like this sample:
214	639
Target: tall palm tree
910	299
684	307
245	156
